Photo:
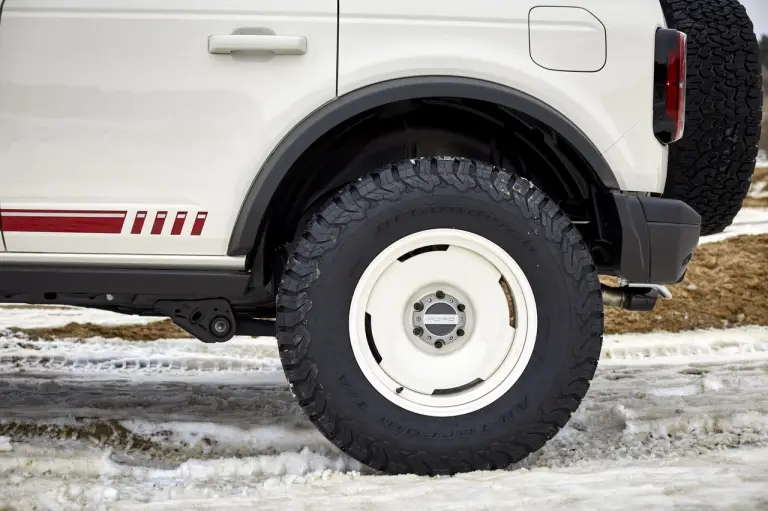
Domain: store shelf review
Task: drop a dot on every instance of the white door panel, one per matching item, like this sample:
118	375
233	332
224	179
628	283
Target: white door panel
113	114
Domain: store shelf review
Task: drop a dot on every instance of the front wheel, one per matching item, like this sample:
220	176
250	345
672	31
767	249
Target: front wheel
439	316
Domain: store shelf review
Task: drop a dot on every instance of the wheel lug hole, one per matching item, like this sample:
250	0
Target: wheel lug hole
461	307
418	306
460	332
440	295
418	331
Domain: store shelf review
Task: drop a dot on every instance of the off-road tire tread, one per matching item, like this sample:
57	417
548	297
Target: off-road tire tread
711	167
351	205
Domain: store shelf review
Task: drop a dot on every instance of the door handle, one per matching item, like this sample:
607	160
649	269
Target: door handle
278	44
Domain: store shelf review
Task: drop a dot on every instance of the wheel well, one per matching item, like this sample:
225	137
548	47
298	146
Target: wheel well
435	126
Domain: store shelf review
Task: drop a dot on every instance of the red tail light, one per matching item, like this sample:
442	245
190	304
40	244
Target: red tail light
669	86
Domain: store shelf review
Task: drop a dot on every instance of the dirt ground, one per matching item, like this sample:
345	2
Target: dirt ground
149	332
758	193
726	285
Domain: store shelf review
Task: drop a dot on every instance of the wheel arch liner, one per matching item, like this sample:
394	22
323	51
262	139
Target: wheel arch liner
268	179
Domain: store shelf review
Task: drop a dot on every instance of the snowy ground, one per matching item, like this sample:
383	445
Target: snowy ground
748	221
670	421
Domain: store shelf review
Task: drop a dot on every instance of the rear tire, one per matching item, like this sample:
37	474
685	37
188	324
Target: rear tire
490	422
711	167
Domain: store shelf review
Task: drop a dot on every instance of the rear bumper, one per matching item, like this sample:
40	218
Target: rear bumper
658	238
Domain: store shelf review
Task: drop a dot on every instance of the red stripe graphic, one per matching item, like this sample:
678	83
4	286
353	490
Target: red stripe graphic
157	227
178	224
138	222
64	221
197	227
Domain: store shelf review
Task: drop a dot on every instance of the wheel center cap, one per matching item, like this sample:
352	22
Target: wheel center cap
441	319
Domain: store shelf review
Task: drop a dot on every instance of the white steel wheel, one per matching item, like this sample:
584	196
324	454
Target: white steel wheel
443	322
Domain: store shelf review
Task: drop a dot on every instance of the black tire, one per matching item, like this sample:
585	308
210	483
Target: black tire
338	244
711	167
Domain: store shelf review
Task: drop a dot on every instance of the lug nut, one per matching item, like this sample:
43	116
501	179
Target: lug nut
418	331
418	306
459	332
461	307
440	295
438	344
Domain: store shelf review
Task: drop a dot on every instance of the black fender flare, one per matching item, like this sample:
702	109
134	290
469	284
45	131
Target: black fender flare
268	179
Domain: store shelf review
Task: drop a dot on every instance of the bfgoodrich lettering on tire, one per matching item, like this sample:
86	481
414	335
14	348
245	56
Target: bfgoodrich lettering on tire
711	167
439	316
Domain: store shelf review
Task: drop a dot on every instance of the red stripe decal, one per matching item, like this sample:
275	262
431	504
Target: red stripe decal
138	222
178	224
73	212
197	227
63	221
157	227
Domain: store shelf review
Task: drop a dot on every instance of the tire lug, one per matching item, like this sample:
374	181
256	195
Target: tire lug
438	344
418	306
440	295
459	332
461	307
418	331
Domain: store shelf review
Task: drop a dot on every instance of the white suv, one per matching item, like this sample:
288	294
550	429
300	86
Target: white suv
416	196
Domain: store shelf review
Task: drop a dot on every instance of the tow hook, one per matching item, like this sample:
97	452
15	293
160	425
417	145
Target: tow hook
634	297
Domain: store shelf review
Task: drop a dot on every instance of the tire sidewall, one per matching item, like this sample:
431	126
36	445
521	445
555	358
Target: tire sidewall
542	260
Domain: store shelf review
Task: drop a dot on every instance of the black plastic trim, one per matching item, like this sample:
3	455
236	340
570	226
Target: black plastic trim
658	238
25	279
345	107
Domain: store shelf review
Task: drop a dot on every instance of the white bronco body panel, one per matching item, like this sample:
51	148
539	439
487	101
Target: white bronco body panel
123	98
122	137
490	41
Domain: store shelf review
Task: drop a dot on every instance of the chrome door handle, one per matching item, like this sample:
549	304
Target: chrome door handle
278	44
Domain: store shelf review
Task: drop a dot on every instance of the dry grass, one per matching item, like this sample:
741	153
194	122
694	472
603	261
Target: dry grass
149	332
726	285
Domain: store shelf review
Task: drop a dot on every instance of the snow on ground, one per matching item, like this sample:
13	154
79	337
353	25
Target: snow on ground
748	221
671	420
51	317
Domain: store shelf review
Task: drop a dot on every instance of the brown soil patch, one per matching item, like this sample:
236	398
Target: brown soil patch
149	332
726	285
760	177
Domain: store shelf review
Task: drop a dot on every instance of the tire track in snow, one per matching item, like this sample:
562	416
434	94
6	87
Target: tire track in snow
650	407
183	407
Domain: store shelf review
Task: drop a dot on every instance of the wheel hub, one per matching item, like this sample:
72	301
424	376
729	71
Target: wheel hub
439	319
